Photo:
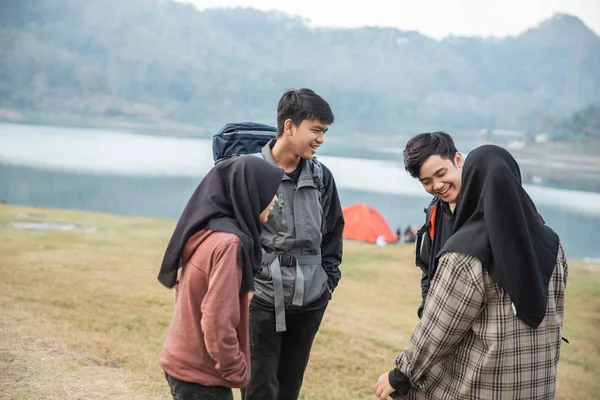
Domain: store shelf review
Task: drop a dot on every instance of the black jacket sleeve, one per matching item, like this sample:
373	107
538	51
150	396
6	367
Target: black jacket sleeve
399	382
332	244
424	257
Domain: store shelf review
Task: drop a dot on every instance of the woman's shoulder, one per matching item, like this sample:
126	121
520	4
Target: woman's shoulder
223	239
216	245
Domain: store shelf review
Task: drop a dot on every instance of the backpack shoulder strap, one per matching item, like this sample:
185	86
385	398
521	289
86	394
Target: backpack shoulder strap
430	214
428	227
317	170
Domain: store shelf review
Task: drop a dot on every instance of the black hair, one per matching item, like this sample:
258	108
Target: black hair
424	145
302	104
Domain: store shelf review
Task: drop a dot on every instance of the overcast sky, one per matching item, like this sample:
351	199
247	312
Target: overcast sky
434	18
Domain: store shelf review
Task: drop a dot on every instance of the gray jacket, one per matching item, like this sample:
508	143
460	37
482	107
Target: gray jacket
300	229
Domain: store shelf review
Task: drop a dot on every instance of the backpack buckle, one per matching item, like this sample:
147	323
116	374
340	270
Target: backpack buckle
287	261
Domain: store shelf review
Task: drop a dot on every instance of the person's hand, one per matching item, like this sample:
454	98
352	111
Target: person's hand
382	387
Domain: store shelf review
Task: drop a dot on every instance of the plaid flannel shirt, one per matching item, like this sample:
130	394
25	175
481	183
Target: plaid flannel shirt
470	344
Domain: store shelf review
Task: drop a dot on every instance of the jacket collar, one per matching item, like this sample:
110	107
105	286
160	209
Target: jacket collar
305	175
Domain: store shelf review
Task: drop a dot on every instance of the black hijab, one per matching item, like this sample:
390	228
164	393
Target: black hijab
230	199
497	222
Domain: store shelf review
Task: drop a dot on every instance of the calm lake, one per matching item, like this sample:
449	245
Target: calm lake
136	174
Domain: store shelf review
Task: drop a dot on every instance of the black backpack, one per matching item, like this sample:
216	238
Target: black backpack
248	138
241	138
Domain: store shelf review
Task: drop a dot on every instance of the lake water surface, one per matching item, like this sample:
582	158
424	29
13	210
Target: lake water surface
136	174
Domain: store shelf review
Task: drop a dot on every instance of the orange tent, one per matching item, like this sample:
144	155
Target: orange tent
363	222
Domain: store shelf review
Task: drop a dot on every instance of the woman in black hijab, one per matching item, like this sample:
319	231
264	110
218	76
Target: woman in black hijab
230	199
492	328
498	223
217	245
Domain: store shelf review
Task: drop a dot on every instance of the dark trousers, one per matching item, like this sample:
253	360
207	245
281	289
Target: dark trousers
279	359
181	390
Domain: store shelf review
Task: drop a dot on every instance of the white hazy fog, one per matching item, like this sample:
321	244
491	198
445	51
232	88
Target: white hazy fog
434	18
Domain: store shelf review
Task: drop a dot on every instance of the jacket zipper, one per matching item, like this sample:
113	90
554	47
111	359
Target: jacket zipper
281	210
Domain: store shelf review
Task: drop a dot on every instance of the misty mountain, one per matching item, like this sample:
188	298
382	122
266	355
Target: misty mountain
152	59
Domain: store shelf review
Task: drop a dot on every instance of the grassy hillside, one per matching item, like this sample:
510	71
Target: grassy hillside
76	304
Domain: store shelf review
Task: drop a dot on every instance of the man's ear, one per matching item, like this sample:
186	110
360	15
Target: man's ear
288	127
458	159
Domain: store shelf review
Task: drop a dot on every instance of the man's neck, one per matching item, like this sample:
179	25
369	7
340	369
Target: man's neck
284	157
451	206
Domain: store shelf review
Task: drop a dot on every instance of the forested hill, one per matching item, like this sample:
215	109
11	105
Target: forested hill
162	59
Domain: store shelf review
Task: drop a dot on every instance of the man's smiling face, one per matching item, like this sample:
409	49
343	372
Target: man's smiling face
442	177
307	137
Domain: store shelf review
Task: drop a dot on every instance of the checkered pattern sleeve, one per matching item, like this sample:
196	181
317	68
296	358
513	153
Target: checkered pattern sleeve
456	297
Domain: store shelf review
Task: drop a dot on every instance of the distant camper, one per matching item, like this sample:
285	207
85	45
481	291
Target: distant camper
410	234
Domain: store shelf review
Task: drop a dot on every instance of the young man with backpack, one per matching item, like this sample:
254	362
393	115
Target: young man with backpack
302	251
432	158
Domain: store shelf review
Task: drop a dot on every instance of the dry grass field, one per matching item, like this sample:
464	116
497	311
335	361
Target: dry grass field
83	316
